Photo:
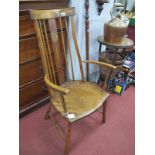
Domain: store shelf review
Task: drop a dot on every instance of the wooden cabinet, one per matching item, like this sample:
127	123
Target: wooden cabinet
32	89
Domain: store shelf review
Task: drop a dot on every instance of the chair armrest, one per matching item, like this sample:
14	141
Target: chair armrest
100	63
55	87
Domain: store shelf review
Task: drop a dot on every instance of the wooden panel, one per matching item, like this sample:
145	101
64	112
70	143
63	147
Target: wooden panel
32	93
26	25
30	71
29	49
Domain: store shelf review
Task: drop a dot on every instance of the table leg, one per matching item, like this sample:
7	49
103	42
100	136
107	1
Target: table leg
115	53
100	46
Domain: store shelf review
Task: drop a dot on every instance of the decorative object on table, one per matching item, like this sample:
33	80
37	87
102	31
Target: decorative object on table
116	29
87	36
73	99
100	4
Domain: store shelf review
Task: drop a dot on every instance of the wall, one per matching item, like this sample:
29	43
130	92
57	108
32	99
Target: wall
96	29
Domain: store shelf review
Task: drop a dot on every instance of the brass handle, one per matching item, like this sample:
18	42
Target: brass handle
40	68
44	88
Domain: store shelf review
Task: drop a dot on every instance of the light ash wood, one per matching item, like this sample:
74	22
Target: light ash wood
77	48
103	64
69	50
76	98
82	99
48	14
55	87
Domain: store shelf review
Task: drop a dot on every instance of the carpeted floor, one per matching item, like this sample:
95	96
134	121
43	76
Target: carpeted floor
89	136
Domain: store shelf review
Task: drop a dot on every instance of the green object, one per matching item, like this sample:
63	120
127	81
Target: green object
132	21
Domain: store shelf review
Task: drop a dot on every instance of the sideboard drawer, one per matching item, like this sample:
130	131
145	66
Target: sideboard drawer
30	71
32	93
29	49
26	25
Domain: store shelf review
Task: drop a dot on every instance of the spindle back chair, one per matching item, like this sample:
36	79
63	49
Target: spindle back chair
71	98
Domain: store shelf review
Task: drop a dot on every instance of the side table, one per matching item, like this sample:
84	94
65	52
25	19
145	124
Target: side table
116	49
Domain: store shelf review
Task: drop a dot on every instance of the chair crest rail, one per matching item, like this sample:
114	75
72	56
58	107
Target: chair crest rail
55	13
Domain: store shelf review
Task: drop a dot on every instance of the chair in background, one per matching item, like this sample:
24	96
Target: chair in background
73	99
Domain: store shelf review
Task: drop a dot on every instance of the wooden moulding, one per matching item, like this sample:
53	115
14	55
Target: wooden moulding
55	13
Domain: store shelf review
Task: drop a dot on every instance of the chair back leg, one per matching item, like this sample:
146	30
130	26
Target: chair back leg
68	139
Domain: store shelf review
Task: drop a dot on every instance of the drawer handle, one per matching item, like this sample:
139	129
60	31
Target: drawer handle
41	68
44	88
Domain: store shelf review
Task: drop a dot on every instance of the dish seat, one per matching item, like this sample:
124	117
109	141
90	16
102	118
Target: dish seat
82	100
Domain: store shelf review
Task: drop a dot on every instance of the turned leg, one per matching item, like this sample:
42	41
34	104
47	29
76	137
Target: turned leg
47	116
68	139
103	112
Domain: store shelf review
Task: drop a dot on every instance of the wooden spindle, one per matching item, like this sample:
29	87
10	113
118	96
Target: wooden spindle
69	49
64	49
56	49
77	48
49	52
41	46
45	50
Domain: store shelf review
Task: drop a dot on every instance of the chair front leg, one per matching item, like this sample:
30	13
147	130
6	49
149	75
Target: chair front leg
68	139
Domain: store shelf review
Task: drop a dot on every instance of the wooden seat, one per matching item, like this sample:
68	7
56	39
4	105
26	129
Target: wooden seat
73	99
83	99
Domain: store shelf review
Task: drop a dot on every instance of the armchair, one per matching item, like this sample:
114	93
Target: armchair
73	99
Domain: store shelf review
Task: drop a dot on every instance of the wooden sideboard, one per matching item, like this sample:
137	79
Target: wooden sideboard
32	89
